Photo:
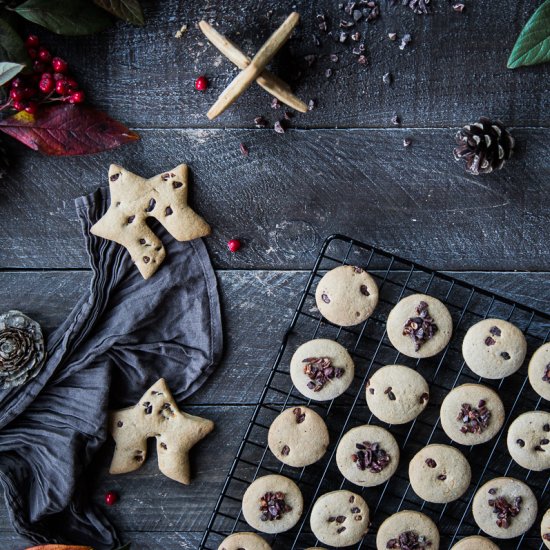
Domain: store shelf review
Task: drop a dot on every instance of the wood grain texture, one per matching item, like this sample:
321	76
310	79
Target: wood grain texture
453	71
295	189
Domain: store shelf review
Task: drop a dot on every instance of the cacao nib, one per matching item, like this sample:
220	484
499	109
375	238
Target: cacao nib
546	375
146	259
151	205
421	328
405	41
546	427
546	536
114	177
431	463
474	420
131	219
260	122
340	529
389	393
148	407
168	211
279	127
489	341
244	149
325	298
505	355
424	397
273	506
459	7
492	491
352	499
495	331
364	290
300	416
505	510
120	423
320	372
285	450
520	442
177	184
409	540
164	446
371	457
442	477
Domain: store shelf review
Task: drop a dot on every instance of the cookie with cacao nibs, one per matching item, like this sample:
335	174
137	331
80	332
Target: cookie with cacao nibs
528	440
321	369
475	542
472	414
439	473
340	518
494	348
545	529
298	437
419	326
504	508
397	394
244	541
272	504
408	529
539	371
346	295
367	455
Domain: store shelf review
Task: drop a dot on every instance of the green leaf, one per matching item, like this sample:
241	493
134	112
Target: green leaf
127	10
12	47
69	17
533	44
9	70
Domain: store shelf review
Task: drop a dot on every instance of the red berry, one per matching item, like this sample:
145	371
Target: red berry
59	65
18	106
76	97
111	498
17	94
17	82
33	53
61	87
44	55
234	245
72	84
201	84
32	107
46	85
32	41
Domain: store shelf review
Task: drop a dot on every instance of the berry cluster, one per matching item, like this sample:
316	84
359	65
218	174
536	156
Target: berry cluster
48	82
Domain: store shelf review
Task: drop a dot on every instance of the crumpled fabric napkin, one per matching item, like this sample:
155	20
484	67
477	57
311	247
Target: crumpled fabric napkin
123	335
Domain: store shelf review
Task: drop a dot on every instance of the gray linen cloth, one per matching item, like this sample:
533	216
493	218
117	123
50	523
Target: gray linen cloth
123	335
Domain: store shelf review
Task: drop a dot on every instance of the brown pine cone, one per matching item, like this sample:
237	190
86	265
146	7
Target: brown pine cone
485	145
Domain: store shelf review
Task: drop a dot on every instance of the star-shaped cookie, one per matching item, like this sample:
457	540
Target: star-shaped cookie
156	415
134	199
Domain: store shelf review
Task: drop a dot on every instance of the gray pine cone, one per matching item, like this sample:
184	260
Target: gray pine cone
485	145
22	351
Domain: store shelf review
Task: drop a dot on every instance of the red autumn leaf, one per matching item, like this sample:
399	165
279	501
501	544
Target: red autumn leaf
67	130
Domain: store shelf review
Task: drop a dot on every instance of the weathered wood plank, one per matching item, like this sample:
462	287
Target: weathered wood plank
453	71
257	308
294	190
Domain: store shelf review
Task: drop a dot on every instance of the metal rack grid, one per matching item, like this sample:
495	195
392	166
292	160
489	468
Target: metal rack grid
371	349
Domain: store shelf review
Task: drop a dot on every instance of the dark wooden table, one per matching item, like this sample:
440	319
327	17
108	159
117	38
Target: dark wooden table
341	168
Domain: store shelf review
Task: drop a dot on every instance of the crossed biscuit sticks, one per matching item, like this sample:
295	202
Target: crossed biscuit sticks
253	69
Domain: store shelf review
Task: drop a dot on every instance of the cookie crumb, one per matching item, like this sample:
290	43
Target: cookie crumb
182	31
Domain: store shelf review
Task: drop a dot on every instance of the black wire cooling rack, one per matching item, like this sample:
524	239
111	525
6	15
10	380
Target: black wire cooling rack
370	348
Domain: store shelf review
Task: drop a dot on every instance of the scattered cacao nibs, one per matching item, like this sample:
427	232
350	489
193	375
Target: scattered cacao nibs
544	441
165	177
120	423
362	60
371	457
355	510
495	331
546	427
546	375
340	530
492	491
275	103
505	510
342	37
407	142
164	446
177	184
328	73
421	328
300	416
392	36
331	519
431	463
352	499
359	49
244	149
320	372
539	449
146	259
148	407
475	420
285	451
386	79
114	177
505	355
520	442
340	519
423	398
405	41
325	298
142	241
458	7
131	219
409	540
371	391
168	211
489	341
442	477
151	205
334	58
260	122
391	396
546	536
356	36
395	120
279	127
273	506
364	290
